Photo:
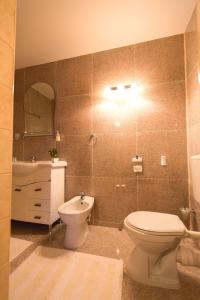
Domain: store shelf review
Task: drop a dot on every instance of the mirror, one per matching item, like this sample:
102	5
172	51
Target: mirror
39	105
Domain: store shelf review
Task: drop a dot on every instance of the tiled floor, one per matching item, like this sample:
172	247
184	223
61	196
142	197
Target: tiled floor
28	231
104	241
17	246
27	234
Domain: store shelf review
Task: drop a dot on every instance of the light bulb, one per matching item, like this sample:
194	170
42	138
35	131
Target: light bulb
117	124
58	136
107	92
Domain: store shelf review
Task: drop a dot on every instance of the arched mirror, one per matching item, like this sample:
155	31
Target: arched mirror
39	106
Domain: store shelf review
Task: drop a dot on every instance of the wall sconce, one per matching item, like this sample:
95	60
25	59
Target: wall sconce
123	94
123	99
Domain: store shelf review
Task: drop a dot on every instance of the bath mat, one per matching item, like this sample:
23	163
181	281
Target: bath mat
57	274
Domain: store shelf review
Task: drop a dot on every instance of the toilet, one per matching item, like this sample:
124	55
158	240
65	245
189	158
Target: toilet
74	213
156	237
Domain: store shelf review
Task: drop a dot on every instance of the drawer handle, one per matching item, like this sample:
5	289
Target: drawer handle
18	190
38	204
38	189
37	217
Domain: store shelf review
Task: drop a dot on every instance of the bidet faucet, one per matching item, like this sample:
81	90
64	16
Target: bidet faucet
82	194
33	158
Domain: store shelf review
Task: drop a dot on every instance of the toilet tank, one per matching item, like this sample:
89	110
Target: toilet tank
195	176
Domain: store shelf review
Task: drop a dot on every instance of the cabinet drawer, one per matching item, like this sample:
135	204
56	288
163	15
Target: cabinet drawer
19	197
35	216
18	214
40	190
18	193
39	205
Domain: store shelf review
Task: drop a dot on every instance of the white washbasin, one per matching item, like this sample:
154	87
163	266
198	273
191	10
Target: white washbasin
23	168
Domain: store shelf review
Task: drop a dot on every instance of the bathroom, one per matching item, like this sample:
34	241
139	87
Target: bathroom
123	118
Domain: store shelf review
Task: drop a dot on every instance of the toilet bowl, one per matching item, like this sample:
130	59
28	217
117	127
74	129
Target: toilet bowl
74	214
156	237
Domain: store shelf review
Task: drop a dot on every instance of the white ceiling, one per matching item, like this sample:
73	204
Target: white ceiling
50	30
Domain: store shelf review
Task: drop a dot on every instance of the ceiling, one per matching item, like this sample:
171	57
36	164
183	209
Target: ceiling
50	30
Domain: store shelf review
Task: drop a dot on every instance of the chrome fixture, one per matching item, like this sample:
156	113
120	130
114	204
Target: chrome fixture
82	194
33	158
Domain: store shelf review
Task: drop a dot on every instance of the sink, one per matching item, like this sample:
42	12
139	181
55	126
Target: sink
23	168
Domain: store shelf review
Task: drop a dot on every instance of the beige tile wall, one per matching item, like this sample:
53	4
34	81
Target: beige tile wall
158	128
7	42
192	60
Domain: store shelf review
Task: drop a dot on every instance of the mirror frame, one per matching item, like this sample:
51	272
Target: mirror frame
28	134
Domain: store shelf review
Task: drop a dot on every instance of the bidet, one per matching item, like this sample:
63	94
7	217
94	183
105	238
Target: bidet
74	214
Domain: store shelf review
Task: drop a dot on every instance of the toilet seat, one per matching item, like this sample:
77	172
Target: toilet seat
155	223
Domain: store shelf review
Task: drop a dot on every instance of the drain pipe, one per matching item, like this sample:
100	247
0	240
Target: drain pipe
188	216
193	234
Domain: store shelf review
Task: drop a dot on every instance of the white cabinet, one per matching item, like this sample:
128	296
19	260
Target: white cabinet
37	193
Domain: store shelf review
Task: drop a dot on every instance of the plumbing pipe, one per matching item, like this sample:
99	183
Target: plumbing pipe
193	234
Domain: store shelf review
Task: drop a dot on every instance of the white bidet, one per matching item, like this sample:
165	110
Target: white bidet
74	214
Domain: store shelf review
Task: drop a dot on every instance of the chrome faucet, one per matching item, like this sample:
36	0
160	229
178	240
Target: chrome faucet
82	194
33	158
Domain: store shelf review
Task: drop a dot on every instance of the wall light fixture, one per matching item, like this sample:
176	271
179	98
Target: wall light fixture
123	94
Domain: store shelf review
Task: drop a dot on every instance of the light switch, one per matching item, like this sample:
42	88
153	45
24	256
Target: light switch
163	160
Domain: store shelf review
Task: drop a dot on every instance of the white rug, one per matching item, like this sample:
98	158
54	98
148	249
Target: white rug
56	274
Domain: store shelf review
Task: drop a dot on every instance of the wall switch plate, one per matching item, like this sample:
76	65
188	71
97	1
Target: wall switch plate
163	160
137	169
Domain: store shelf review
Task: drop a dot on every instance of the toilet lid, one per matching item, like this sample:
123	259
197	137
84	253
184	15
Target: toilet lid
156	222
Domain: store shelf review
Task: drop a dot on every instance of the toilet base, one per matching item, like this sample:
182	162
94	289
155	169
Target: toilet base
75	235
158	270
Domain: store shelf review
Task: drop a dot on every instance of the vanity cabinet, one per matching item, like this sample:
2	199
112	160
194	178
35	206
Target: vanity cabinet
38	191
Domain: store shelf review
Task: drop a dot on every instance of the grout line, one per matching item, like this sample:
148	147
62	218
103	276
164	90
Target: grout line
92	116
7	86
124	132
162	130
136	140
6	218
187	78
23	140
7	44
188	75
6	173
187	119
151	84
72	95
6	129
133	178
